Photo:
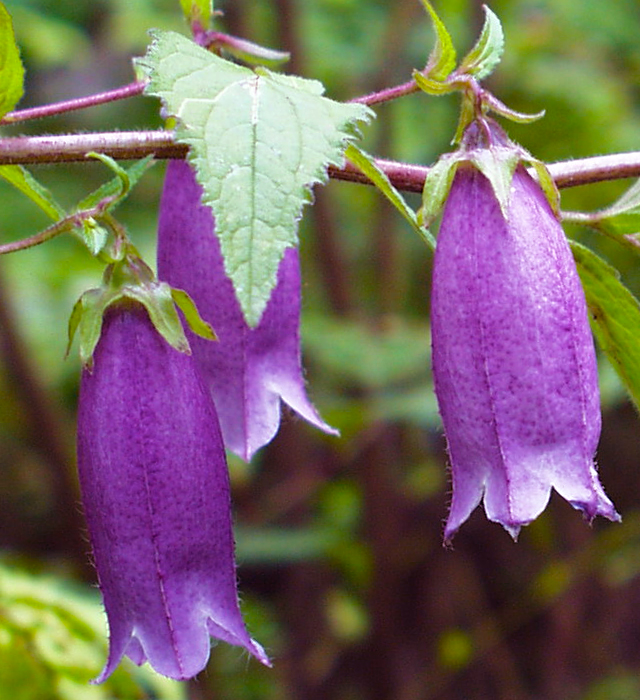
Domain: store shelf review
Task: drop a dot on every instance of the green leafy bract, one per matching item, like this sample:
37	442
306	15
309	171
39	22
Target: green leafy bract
615	316
369	167
258	141
487	52
443	56
11	68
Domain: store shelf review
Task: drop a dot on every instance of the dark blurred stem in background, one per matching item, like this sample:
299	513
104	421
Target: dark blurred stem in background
52	439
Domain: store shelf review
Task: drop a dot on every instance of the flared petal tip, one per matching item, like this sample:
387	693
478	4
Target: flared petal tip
512	528
258	651
601	506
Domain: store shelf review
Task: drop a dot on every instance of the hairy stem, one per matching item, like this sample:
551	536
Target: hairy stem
121	93
129	145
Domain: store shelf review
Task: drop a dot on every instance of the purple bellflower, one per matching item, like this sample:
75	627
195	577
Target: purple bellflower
156	496
249	370
513	357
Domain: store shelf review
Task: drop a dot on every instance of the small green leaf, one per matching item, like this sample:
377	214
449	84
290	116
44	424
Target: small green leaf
368	166
197	12
94	236
23	180
615	316
443	56
11	68
258	142
436	187
119	187
487	52
191	314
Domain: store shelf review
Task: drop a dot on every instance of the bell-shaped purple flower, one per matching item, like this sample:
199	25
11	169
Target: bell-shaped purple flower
513	357
249	370
155	489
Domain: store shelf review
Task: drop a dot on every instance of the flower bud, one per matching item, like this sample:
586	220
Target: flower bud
155	490
513	357
249	370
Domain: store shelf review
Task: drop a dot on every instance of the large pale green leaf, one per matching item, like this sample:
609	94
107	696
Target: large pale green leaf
11	69
258	141
615	314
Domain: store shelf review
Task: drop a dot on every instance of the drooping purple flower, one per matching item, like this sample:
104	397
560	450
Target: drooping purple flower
513	357
249	370
155	490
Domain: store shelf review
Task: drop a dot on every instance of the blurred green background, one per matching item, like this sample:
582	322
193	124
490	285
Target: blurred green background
343	575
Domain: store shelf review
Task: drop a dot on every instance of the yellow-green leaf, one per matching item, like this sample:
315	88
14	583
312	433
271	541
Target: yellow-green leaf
11	68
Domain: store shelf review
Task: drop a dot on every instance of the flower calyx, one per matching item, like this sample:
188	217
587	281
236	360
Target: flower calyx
129	280
485	146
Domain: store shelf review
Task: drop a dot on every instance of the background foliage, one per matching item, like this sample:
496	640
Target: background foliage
344	577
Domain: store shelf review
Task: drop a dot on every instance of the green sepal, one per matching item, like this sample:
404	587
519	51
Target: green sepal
24	181
487	52
93	235
191	314
369	167
442	59
436	187
130	279
467	115
493	104
197	12
11	68
547	183
433	87
251	53
615	316
498	164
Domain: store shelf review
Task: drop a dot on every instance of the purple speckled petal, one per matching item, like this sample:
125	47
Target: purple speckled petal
513	357
156	496
250	369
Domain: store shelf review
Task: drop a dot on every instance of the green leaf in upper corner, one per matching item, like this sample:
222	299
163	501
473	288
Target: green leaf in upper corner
615	316
11	68
197	12
442	59
487	52
369	167
258	142
23	180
